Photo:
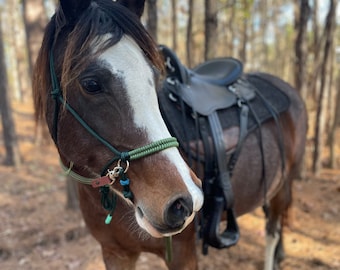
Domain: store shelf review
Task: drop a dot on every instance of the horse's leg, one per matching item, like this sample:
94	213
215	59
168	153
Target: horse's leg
273	238
275	215
119	259
184	250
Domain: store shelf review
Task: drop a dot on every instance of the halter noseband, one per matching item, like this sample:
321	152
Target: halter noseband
108	201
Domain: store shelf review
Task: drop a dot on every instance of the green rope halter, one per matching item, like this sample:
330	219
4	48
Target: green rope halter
108	198
140	152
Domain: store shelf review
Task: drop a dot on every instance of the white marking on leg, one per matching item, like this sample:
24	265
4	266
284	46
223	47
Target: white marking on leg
271	244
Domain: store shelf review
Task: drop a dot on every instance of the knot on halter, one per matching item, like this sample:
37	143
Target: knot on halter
125	183
56	93
124	156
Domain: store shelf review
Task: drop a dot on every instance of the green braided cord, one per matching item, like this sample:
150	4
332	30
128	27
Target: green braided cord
134	154
153	148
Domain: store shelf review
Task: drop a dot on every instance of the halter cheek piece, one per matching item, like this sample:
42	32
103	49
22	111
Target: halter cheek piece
108	177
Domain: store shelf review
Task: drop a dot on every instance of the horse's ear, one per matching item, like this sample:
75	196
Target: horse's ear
72	9
136	6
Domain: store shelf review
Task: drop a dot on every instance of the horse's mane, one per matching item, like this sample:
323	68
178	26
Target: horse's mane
71	43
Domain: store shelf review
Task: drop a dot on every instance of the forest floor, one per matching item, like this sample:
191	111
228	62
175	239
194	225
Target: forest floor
37	232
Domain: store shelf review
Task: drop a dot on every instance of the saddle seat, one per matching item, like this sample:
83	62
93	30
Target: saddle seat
213	85
220	71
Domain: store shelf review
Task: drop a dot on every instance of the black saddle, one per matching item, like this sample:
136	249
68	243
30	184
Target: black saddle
214	75
220	71
197	105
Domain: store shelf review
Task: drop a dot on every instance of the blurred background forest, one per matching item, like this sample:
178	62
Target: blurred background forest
297	40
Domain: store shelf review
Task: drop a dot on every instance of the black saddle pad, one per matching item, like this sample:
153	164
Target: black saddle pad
182	121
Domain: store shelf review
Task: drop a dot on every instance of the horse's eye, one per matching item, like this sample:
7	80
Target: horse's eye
91	86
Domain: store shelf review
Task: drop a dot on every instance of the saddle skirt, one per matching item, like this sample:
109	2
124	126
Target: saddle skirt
181	106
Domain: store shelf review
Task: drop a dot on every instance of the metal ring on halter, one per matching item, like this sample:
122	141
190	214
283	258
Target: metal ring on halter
127	165
117	171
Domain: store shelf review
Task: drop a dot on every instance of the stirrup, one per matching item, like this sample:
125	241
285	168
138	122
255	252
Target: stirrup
212	236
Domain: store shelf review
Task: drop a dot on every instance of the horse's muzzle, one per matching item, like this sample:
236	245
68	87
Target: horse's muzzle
177	214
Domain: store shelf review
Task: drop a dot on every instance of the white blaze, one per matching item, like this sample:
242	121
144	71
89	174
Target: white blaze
127	61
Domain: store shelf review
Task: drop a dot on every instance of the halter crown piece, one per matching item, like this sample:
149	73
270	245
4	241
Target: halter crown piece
108	199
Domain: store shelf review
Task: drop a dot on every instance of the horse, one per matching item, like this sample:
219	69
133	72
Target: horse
95	85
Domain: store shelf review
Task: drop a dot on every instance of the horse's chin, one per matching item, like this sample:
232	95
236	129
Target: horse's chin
145	224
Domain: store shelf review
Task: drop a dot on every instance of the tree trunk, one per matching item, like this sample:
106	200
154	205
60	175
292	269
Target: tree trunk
11	145
332	93
316	43
335	124
189	32
231	27
245	22
264	55
16	51
320	121
210	22
152	20
174	24
35	21
316	46
302	12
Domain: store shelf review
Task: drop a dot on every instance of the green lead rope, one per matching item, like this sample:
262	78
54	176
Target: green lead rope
168	248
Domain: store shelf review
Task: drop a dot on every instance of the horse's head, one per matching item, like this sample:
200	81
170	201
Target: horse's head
106	64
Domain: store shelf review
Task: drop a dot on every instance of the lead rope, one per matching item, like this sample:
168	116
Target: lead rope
168	248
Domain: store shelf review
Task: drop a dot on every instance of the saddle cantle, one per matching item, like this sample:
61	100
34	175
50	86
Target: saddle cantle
199	105
220	71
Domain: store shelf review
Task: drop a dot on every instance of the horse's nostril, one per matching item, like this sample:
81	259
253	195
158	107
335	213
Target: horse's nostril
177	212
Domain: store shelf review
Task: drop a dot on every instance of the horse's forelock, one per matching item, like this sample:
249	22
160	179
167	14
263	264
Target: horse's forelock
98	20
73	45
82	39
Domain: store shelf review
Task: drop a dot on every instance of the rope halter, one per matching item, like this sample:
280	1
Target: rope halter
108	177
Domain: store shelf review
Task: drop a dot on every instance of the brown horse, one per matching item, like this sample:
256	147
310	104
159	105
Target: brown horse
95	85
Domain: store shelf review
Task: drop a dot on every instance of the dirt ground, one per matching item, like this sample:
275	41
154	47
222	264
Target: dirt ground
37	232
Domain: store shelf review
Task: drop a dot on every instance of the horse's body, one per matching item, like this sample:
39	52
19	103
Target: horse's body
105	62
